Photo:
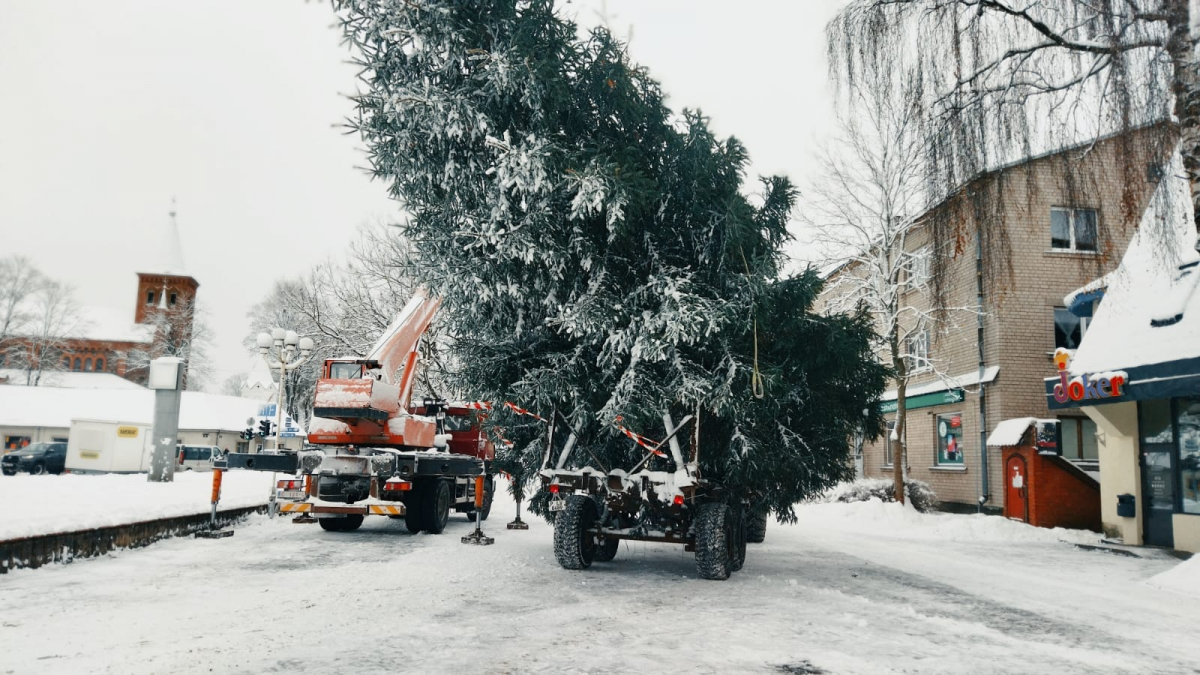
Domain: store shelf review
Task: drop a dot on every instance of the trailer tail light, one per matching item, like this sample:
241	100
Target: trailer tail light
397	486
678	500
554	488
290	485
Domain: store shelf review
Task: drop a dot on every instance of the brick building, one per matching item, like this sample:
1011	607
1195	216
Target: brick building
163	313
1011	267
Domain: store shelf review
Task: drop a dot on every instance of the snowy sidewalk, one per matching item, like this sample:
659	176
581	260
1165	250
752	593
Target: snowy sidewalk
850	589
47	504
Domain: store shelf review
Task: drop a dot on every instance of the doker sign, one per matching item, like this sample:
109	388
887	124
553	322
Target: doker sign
1085	387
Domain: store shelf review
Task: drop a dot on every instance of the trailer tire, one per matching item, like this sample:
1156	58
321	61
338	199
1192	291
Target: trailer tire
489	488
343	524
606	549
739	538
574	546
756	525
716	537
435	507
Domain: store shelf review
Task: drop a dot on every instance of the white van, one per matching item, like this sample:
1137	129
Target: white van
196	457
96	446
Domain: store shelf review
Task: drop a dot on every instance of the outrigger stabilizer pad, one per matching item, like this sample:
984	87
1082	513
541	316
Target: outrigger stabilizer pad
478	538
214	534
303	519
518	524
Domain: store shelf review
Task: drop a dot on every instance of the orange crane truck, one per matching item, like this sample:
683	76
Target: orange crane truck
370	451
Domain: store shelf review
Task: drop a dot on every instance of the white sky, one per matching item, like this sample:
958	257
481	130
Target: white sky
112	108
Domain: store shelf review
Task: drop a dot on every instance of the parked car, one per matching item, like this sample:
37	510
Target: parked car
196	457
36	459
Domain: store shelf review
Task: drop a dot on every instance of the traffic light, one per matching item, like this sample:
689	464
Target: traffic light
264	428
247	433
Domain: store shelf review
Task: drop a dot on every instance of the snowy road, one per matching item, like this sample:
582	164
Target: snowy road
844	591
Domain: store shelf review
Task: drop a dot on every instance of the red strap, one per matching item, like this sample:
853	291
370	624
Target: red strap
639	439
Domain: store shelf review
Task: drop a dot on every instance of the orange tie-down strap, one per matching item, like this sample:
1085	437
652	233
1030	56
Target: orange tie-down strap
641	440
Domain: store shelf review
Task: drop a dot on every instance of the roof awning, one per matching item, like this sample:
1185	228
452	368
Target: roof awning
939	392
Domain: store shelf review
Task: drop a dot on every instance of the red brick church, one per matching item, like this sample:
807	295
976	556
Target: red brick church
163	314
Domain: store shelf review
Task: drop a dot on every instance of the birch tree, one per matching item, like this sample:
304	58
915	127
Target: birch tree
1002	80
862	213
53	316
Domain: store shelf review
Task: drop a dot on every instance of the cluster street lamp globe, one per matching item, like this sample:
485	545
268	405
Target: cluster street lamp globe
279	349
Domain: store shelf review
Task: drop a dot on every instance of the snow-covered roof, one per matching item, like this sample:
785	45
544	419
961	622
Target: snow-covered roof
105	323
260	375
942	384
69	379
1012	432
55	407
1151	309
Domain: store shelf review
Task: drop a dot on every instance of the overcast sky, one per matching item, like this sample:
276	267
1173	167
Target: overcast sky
111	109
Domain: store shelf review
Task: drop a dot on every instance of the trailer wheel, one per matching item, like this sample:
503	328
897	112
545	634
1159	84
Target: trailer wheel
606	549
343	524
435	507
489	488
756	525
574	544
716	538
739	538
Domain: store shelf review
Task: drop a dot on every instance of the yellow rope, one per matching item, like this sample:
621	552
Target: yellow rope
756	381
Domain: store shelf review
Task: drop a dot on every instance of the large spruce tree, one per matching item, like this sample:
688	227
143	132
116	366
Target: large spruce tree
595	251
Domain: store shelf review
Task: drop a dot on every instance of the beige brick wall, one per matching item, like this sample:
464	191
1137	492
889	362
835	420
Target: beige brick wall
1024	280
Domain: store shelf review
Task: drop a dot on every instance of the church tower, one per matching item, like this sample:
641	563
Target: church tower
165	285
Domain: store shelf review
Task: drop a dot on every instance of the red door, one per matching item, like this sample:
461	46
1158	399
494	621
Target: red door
1016	484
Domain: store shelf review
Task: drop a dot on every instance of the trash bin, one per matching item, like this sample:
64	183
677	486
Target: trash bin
1126	506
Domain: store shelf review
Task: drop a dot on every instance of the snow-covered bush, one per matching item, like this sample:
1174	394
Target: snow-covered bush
918	493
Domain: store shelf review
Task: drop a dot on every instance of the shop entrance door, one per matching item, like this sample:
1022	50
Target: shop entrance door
1016	480
1158	495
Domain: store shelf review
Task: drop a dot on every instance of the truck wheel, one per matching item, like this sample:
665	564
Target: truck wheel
715	540
756	525
414	507
739	538
343	524
435	507
489	487
606	550
574	546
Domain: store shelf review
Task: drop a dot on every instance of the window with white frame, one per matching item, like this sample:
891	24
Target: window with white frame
1073	229
916	349
949	429
917	267
1068	328
887	444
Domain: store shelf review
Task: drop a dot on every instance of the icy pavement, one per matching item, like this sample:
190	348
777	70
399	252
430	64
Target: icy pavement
850	589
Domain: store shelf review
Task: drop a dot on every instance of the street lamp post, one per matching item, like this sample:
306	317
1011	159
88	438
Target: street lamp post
278	348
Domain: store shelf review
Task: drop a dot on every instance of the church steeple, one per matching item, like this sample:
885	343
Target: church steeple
163	283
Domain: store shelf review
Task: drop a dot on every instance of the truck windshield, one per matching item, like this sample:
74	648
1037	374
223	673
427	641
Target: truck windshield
344	371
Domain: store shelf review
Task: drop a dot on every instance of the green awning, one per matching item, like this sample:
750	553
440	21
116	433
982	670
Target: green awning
925	400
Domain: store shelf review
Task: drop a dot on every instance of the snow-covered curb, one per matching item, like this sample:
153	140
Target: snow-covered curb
37	505
876	518
1183	578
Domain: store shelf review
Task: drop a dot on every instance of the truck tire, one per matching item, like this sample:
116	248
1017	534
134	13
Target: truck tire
574	546
606	549
756	525
435	507
739	538
715	540
343	524
489	487
414	508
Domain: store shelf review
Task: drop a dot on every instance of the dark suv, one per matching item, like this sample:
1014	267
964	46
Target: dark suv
36	458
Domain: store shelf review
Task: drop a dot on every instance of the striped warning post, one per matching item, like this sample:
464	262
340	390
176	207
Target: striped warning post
293	507
386	509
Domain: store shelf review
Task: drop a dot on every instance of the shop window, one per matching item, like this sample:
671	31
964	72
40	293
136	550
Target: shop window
1189	454
1068	328
149	297
1154	421
1079	438
887	445
949	430
1073	229
916	347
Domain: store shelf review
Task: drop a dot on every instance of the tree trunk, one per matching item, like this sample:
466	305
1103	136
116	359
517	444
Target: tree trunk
1186	88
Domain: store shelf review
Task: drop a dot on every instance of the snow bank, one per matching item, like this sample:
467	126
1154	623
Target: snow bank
1183	578
35	505
878	519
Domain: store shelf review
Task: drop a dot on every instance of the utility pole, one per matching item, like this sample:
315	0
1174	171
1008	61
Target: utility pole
278	348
